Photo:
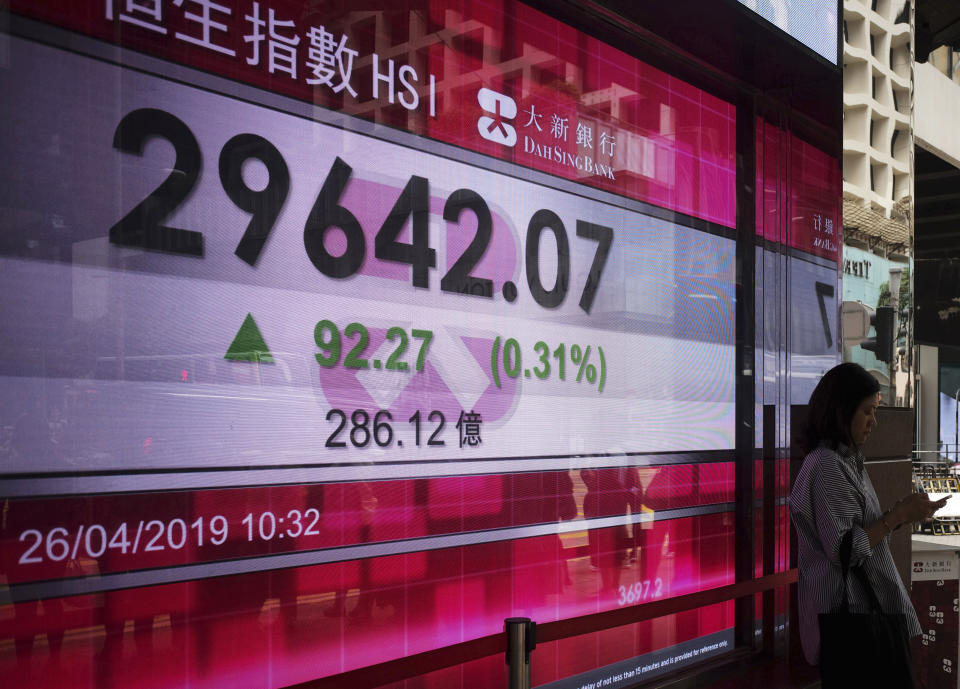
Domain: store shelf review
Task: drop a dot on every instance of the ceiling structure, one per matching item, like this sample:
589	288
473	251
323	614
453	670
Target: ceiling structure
865	225
937	212
937	23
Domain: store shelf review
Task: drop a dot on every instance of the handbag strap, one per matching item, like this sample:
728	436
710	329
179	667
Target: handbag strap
862	575
846	549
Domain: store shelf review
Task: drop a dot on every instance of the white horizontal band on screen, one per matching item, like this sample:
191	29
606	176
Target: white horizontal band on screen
204	479
238	91
182	573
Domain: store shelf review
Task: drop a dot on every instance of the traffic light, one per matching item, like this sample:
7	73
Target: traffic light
882	344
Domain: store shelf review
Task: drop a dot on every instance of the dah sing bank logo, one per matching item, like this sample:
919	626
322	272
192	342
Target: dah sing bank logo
494	126
501	107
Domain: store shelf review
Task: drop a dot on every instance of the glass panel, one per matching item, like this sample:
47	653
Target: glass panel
798	219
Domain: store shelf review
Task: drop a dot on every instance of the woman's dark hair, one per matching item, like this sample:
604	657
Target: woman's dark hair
833	403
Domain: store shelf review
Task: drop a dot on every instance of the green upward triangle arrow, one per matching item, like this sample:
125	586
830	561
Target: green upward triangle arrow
248	345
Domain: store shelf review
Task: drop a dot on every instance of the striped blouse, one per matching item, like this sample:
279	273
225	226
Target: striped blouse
833	494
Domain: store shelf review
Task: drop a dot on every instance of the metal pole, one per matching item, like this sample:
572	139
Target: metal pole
895	274
521	639
956	427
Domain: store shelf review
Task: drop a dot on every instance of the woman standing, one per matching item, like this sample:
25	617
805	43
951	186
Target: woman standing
832	496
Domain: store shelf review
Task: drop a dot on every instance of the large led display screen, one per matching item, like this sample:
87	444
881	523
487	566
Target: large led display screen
798	247
331	336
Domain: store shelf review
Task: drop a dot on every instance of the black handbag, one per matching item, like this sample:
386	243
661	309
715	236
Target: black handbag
863	649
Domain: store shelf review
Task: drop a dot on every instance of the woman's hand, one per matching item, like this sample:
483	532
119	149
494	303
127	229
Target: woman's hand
912	508
915	507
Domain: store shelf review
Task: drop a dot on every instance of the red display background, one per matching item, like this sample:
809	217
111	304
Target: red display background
350	513
253	648
277	628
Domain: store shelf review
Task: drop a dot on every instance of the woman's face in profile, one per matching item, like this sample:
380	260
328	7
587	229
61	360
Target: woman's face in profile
864	419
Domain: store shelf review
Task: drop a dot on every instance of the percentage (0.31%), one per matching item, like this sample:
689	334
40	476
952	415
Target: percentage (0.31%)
549	359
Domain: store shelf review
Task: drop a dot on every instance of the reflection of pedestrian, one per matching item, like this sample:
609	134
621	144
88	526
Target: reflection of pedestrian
540	563
31	438
832	497
6	444
566	509
630	478
359	505
606	497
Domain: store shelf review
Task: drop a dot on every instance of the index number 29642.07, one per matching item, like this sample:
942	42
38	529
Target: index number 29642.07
143	226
